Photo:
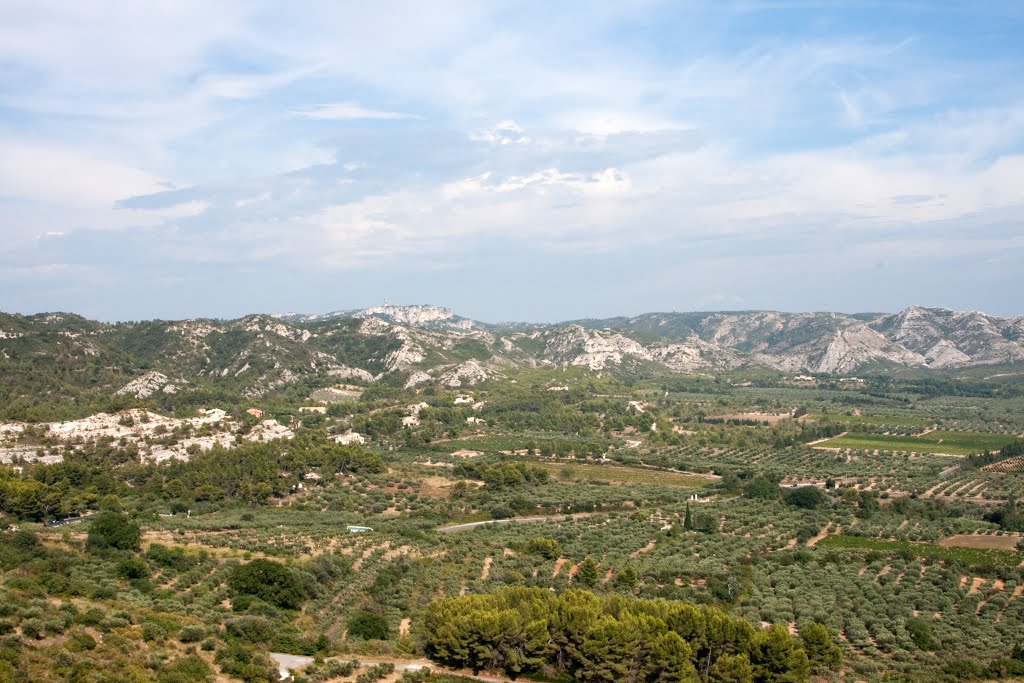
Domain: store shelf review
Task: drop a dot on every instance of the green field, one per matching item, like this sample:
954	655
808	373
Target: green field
623	475
949	443
895	420
973	557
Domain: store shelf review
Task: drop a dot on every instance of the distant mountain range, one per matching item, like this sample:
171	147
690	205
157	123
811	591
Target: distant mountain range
415	345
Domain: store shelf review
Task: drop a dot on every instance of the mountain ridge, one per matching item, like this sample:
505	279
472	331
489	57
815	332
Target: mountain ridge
260	354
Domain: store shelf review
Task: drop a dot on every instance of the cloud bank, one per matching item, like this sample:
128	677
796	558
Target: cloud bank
513	161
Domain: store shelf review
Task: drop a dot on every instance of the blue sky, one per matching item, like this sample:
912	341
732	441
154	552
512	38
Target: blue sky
516	161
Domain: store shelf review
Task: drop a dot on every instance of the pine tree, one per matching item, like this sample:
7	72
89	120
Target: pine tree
732	669
822	652
627	579
777	657
587	574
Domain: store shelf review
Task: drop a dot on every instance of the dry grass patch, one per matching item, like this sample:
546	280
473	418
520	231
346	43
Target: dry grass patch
982	541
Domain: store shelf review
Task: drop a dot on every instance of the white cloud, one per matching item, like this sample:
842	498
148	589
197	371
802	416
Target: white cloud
75	177
349	111
248	86
506	132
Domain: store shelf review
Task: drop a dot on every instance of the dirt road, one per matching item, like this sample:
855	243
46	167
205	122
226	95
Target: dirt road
287	662
511	520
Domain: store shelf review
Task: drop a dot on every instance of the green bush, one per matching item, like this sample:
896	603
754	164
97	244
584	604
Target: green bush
152	631
113	530
806	497
547	548
133	568
81	642
247	664
249	629
187	669
270	581
376	672
921	633
191	634
762	488
368	626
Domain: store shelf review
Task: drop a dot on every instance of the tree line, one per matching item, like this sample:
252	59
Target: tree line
616	639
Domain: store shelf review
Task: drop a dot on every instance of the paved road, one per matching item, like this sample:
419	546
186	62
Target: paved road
285	663
511	520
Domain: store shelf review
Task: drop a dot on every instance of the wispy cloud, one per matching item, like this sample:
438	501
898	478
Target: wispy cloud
349	111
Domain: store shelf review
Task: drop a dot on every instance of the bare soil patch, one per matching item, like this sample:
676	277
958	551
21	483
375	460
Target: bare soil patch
646	549
436	487
982	541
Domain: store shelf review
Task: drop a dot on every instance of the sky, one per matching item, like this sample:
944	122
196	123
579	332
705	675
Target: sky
529	161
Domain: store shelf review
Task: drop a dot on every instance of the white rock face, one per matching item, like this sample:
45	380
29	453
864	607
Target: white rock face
858	344
194	332
135	427
375	327
946	355
464	374
10	429
695	354
268	430
279	329
345	372
407	355
409	315
147	385
915	330
595	349
416	379
415	408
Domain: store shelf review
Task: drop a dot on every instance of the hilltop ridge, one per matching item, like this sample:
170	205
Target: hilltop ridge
61	354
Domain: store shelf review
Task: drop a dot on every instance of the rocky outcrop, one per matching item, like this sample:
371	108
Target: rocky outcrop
945	355
345	372
416	379
595	349
402	358
436	317
147	385
857	345
464	374
407	315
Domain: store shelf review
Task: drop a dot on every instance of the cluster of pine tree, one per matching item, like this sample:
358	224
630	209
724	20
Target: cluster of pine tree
615	639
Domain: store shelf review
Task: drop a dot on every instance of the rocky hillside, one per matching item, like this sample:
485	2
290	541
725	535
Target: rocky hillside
825	342
56	354
433	317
